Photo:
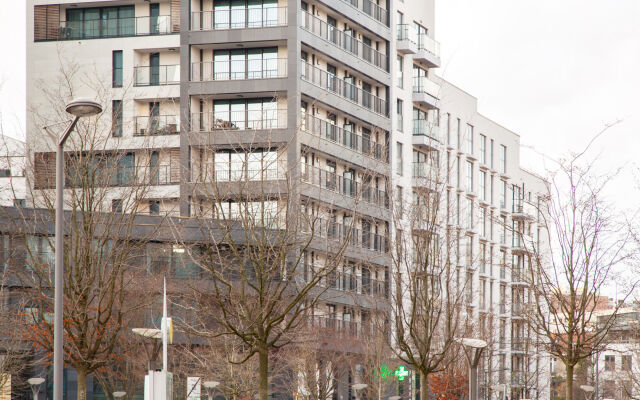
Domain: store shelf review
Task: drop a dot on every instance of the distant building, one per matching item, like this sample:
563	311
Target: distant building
13	184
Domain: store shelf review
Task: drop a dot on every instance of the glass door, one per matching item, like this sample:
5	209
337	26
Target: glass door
154	69
154	13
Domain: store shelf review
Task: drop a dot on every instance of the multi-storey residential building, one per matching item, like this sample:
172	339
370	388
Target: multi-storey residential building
341	92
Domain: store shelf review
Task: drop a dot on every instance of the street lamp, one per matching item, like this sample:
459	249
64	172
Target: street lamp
35	386
474	360
395	398
119	395
78	108
150	333
358	386
210	386
501	388
588	390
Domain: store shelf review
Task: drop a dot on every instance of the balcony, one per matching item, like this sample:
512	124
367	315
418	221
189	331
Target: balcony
426	134
339	184
347	91
522	243
349	140
519	344
519	276
523	210
134	176
422	172
239	120
157	125
258	170
406	39
517	378
108	28
425	92
238	18
344	41
364	239
238	70
160	75
351	282
428	51
336	326
371	9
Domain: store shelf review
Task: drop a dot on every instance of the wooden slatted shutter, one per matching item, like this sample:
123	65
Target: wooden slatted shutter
174	160
46	22
45	170
175	16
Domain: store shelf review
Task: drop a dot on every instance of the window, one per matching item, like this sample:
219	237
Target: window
116	206
19	202
491	190
399	164
400	121
116	60
503	194
484	221
243	64
469	285
116	118
483	257
236	14
469	139
483	185
483	149
154	207
400	200
244	114
469	176
491	153
469	250
458	138
448	128
5	173
609	363
626	363
469	213
99	22
503	159
400	61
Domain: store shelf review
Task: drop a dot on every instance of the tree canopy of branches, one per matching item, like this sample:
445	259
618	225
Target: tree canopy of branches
429	289
589	244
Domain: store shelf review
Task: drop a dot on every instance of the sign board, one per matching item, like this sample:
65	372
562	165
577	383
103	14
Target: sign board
193	388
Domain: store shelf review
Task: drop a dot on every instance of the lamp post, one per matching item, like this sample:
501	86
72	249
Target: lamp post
501	388
210	386
478	345
78	108
35	386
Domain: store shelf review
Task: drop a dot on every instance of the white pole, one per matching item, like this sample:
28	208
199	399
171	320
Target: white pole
165	329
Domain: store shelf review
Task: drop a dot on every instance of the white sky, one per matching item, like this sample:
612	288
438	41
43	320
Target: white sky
554	71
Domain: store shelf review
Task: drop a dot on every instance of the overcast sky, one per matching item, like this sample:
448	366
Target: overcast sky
554	71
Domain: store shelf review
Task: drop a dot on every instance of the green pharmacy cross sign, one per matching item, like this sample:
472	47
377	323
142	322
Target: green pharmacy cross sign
401	372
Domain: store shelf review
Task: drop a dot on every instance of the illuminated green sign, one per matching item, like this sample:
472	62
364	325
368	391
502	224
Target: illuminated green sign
401	372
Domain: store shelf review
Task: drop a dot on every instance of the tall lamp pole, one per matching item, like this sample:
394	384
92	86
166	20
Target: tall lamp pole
78	108
474	359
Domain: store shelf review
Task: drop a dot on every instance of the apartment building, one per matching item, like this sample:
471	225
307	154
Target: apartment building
340	94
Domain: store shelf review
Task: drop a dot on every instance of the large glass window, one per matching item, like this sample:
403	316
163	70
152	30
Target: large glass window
245	114
245	64
237	166
116	61
97	22
234	14
469	139
116	118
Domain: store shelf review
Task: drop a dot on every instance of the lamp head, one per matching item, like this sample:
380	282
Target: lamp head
35	381
210	384
475	343
83	107
359	386
587	388
151	333
119	395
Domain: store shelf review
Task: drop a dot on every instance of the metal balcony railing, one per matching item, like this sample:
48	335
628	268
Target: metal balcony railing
344	89
341	327
426	127
239	120
238	70
371	9
428	44
339	232
110	28
238	18
422	84
157	125
423	170
156	76
345	138
345	41
349	187
259	170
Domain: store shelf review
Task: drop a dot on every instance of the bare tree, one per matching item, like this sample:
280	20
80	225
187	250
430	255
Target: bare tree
104	194
430	289
589	243
259	288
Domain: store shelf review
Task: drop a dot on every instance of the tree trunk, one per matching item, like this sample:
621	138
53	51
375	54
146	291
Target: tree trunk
569	388
263	362
82	385
424	387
